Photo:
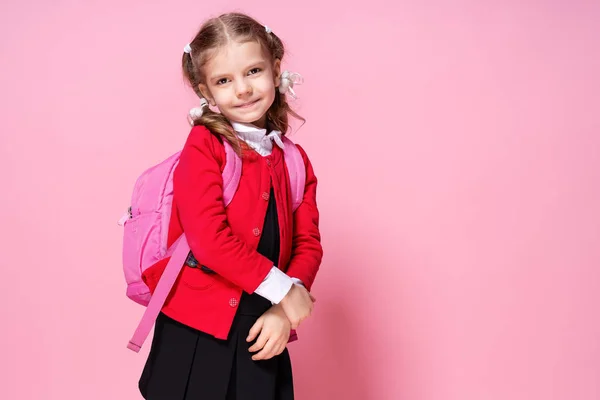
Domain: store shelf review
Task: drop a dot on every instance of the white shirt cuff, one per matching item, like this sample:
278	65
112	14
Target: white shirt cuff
275	286
297	281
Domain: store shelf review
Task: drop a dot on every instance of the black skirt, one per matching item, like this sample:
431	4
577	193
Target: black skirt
187	364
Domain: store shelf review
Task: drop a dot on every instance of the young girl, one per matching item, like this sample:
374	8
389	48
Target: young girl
223	331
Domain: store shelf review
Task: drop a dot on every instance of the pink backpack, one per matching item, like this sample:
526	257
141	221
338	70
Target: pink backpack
146	226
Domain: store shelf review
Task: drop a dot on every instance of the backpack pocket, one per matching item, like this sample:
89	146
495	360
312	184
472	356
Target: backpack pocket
142	237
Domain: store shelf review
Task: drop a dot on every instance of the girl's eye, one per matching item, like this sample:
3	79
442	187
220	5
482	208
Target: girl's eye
222	81
254	71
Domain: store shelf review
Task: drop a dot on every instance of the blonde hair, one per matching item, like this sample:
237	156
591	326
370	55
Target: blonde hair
217	32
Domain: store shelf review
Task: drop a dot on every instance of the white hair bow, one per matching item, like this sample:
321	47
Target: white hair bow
288	80
196	112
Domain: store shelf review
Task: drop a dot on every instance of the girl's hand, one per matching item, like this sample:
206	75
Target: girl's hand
297	304
274	328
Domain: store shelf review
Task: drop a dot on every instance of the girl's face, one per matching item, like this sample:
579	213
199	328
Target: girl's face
241	82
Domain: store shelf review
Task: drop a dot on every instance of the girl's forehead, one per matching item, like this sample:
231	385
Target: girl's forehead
234	55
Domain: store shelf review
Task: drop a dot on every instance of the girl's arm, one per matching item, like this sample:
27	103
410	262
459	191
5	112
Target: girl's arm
198	195
307	251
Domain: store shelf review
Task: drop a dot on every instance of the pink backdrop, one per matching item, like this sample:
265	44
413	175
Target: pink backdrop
458	152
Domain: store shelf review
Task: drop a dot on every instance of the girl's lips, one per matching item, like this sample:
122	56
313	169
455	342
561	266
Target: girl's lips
246	105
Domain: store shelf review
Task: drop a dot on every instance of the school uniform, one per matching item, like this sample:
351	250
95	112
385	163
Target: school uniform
235	273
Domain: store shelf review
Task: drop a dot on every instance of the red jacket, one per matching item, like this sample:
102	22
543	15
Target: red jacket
225	240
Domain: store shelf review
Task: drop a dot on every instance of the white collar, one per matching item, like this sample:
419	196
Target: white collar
257	138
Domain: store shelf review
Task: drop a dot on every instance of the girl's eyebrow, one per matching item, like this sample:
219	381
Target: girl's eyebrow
255	63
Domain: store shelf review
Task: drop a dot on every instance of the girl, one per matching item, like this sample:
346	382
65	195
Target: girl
222	332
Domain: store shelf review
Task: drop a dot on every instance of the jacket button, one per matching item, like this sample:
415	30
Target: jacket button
233	302
256	232
265	196
268	162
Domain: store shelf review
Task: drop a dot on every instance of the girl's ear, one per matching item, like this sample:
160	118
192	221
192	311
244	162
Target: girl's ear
277	72
206	94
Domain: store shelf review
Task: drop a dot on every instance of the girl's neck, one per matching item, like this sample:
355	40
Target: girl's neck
265	125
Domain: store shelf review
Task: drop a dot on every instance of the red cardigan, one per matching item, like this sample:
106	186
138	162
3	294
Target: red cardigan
225	240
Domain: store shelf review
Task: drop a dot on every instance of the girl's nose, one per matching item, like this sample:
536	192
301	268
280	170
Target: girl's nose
243	89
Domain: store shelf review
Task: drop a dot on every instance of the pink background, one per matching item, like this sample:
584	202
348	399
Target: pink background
458	152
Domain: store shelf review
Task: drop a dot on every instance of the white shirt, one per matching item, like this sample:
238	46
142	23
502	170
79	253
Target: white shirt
276	284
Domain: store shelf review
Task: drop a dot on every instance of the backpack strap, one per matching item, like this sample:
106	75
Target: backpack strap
178	252
231	173
165	283
296	170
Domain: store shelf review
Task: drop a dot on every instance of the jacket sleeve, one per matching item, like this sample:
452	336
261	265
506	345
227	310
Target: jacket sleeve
307	251
198	196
